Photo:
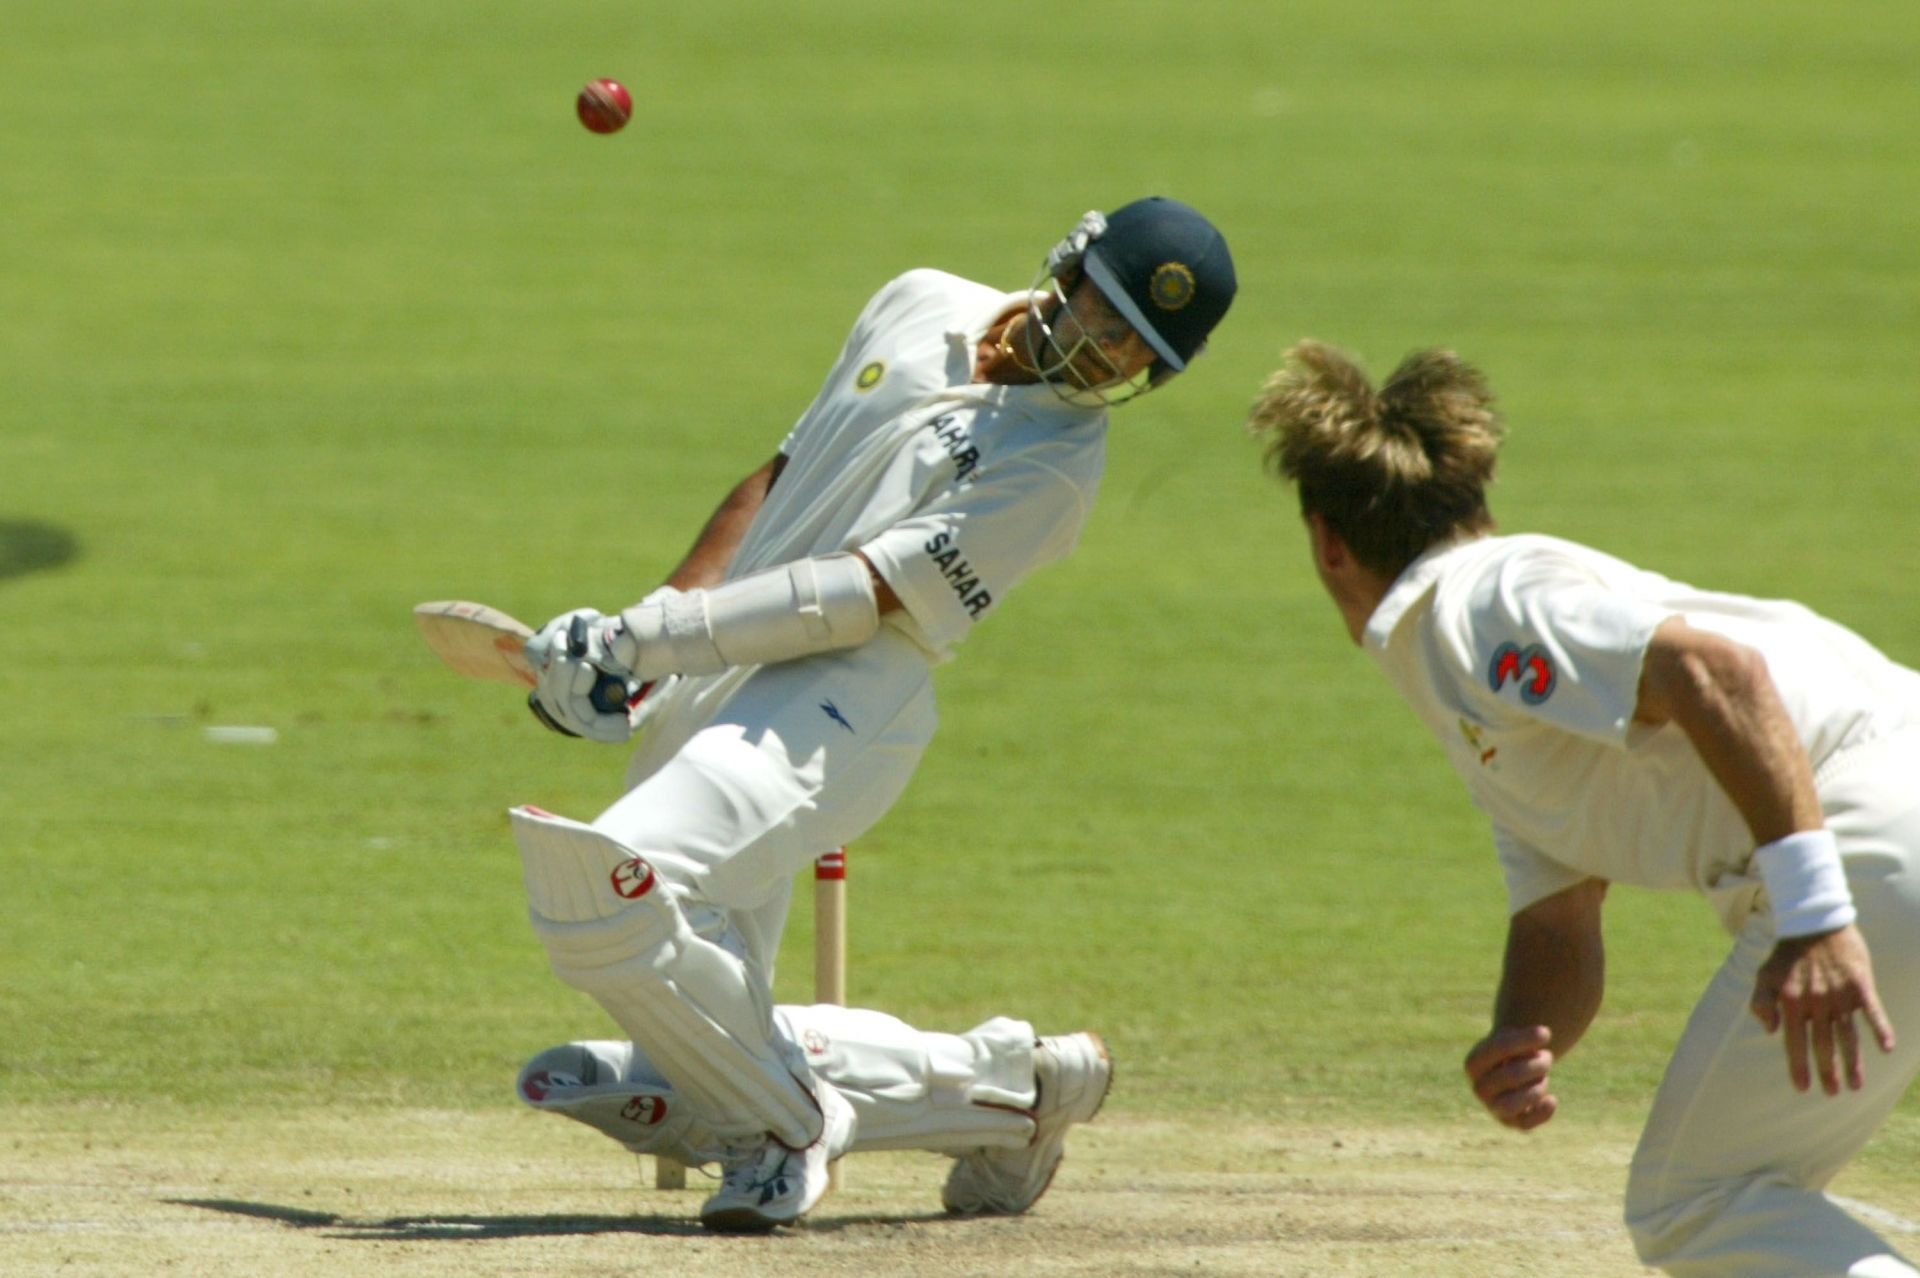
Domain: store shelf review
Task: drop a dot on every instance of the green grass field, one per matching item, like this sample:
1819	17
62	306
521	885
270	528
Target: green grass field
314	311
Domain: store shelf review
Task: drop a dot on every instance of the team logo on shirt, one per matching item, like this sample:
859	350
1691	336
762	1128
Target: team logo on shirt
1530	667
870	376
1477	739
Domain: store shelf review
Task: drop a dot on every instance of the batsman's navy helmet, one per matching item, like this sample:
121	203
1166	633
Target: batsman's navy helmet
1167	270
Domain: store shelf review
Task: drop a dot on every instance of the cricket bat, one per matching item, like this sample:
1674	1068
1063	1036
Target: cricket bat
485	643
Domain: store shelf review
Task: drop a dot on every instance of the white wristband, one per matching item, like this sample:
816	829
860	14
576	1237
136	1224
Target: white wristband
795	610
1806	883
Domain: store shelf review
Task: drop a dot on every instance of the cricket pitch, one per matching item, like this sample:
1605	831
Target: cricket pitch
119	1191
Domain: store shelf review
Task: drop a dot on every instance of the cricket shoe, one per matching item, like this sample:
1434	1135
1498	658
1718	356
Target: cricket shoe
1072	1074
764	1184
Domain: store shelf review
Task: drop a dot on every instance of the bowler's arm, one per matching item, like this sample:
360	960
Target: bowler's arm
1551	983
1555	969
1722	696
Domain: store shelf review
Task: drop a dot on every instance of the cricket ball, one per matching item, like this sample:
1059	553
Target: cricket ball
604	106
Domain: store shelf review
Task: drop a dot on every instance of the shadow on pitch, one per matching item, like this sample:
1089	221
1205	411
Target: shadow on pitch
27	546
454	1227
431	1227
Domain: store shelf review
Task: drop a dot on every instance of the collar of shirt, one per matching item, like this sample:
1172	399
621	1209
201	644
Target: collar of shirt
1408	588
978	325
964	342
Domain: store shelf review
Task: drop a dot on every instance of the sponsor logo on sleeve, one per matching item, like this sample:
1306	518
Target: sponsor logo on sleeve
1530	668
951	430
869	377
959	573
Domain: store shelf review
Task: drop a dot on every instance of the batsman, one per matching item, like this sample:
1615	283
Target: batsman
783	678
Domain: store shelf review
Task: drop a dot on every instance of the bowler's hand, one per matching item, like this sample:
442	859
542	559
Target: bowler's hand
1508	1071
1813	985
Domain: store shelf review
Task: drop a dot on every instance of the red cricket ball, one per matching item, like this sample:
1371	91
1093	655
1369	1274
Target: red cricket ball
604	106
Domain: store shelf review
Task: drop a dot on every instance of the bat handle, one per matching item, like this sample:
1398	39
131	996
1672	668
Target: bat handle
611	692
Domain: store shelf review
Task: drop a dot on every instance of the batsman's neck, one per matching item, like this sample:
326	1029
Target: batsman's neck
996	360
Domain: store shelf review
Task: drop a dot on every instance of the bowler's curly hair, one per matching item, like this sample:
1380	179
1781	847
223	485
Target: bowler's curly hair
1392	471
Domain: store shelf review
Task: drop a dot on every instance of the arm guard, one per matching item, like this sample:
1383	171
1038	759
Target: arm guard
795	610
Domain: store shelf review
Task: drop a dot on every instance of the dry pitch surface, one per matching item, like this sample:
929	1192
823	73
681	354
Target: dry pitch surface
131	1192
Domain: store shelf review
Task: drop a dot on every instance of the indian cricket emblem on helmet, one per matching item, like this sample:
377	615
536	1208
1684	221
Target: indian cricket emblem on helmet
870	376
1171	286
633	878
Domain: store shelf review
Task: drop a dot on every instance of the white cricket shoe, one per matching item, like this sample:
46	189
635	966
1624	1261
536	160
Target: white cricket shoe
764	1184
1072	1073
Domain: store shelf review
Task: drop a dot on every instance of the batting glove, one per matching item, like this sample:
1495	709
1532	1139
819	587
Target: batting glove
582	690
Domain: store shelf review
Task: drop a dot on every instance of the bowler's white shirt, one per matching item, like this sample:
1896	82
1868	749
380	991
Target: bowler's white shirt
954	491
1523	656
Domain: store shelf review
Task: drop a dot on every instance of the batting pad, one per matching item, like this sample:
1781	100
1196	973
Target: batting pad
950	1093
617	1093
612	930
918	1090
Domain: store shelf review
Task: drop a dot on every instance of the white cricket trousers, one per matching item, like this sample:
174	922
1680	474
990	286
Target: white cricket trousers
743	783
740	783
1730	1173
910	1089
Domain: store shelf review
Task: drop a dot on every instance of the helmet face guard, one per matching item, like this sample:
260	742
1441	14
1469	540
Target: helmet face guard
1077	366
1162	268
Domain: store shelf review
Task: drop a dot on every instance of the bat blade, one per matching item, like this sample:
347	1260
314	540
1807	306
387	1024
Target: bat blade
484	643
476	641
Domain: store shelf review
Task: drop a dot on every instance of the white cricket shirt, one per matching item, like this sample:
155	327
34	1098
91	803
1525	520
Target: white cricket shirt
954	491
1523	655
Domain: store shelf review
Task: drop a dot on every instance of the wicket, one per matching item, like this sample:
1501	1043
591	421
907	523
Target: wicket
829	973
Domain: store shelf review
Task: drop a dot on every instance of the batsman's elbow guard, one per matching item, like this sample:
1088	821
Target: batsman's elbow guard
796	610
